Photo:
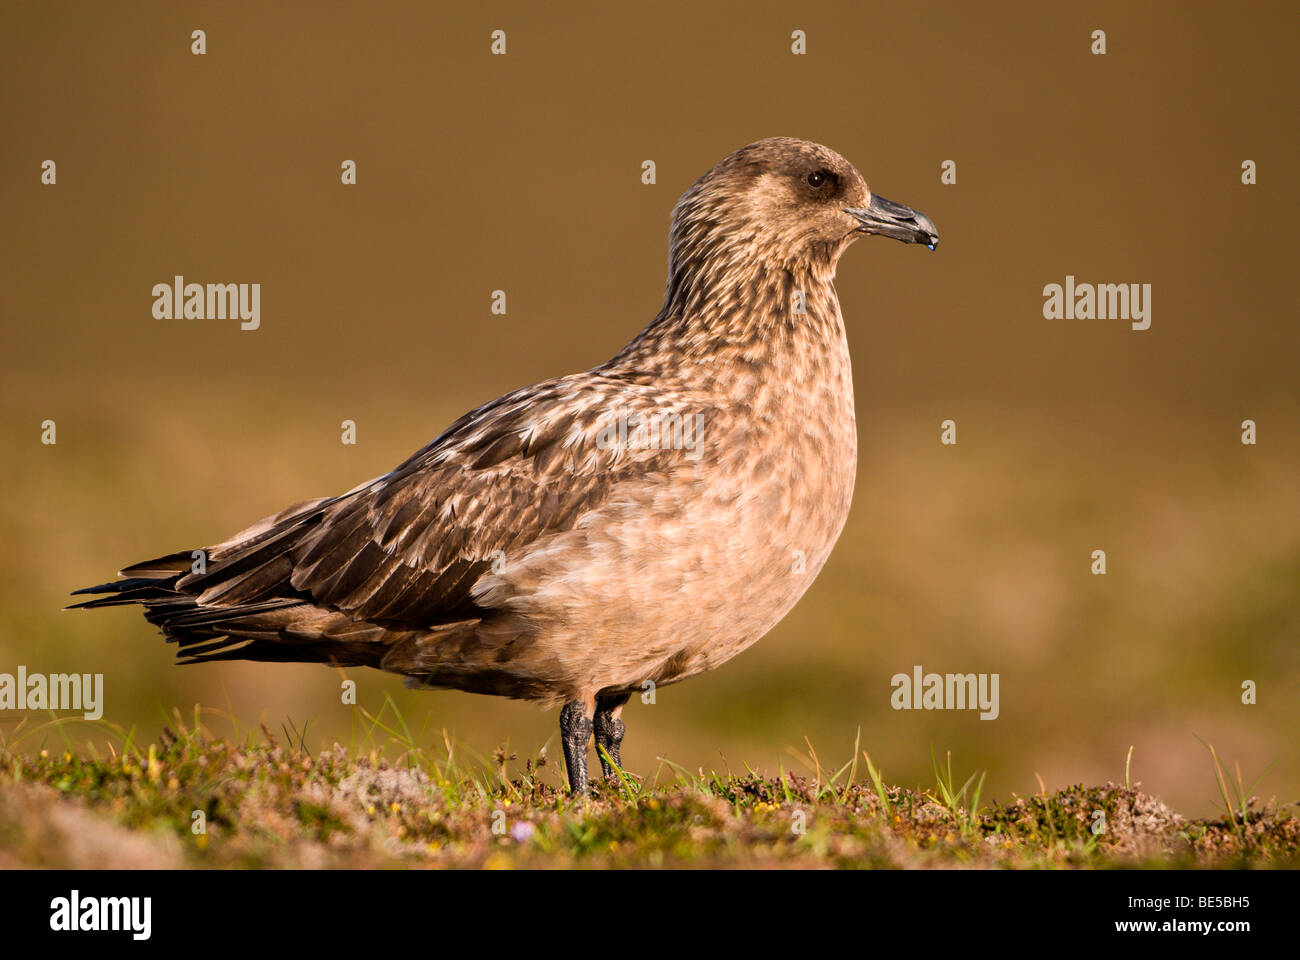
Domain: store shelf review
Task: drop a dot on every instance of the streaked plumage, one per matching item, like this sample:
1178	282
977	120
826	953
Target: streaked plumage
519	555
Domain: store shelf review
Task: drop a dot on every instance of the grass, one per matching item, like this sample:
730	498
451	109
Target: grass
265	800
1238	814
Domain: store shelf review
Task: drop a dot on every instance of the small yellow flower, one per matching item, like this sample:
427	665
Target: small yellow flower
395	807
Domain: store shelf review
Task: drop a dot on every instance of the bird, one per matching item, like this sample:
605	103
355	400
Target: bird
599	534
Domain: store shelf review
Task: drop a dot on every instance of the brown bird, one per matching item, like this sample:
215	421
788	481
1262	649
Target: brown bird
580	539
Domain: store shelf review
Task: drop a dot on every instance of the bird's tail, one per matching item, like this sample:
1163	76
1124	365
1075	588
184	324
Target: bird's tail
234	601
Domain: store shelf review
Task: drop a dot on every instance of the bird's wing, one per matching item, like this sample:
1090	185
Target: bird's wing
407	547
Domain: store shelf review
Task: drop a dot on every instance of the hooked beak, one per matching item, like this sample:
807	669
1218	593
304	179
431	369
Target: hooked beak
890	219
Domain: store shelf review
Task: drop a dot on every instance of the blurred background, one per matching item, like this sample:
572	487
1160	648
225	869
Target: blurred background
522	172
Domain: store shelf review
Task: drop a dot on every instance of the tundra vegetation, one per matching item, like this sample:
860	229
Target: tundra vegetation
264	799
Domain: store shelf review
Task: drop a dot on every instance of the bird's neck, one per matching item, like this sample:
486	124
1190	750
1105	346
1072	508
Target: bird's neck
754	317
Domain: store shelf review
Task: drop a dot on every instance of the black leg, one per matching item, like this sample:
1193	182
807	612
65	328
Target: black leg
575	734
609	730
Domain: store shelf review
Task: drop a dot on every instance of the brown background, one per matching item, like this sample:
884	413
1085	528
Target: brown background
522	172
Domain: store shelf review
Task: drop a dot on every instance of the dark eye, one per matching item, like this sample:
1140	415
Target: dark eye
817	178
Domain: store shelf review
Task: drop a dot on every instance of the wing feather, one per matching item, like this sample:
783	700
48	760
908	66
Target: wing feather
403	552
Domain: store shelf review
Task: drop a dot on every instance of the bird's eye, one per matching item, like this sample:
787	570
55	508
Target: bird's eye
816	179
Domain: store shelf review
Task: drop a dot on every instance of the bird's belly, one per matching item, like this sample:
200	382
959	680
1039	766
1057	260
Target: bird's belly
675	576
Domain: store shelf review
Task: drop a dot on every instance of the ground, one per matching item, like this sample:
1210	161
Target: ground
195	800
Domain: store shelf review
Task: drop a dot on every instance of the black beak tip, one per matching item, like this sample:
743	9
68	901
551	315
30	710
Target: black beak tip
890	219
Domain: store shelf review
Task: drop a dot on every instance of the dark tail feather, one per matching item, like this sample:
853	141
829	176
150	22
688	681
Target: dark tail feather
117	586
134	590
178	562
279	630
243	606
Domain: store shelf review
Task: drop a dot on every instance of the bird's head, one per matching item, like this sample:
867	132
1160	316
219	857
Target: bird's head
790	202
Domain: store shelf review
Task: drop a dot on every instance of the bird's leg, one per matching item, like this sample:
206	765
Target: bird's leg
575	734
609	730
